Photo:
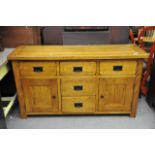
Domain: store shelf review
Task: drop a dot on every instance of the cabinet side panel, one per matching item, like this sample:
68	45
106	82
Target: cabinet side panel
19	89
136	88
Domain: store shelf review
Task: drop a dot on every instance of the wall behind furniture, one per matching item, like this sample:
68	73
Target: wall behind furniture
1	44
73	35
13	36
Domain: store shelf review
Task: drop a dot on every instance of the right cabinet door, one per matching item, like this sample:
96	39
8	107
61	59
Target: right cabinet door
115	94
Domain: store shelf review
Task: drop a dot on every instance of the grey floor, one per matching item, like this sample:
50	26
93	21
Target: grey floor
145	120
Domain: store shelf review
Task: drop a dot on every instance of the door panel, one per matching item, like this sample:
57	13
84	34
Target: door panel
41	96
115	94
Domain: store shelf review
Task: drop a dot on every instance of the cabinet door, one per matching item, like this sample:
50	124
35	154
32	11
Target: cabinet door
115	94
41	96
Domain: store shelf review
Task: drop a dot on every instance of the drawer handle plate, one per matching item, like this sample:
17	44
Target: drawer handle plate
78	105
77	69
38	69
117	68
78	88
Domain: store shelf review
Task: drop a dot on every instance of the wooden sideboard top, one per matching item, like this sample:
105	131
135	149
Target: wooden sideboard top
77	52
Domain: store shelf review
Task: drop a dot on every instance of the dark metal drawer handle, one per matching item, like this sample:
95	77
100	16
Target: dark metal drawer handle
117	68
78	105
77	69
38	69
78	88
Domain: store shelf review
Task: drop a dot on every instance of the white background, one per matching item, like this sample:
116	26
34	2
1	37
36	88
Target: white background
77	13
77	142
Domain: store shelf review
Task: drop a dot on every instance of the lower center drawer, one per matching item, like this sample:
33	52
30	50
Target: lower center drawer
78	104
78	87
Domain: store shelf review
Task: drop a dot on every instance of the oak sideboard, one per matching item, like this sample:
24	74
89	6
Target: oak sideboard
78	80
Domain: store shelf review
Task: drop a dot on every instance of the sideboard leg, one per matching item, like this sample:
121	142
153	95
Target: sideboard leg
136	88
19	90
133	115
23	116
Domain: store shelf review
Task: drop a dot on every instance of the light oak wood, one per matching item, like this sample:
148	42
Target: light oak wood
78	68
30	68
136	88
115	94
115	67
108	84
97	91
78	104
87	52
90	113
78	87
40	95
59	85
19	87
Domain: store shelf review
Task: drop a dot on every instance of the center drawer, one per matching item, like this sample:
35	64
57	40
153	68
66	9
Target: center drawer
78	87
78	104
37	68
78	68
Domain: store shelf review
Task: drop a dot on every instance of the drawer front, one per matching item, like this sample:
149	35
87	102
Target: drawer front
78	68
78	87
78	104
38	68
118	67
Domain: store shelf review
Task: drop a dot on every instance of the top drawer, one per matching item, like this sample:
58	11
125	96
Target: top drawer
37	68
115	67
78	68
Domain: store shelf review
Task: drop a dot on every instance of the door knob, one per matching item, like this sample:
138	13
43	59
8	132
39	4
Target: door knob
101	96
54	97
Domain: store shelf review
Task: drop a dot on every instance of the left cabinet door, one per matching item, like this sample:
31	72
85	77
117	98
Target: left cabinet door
41	96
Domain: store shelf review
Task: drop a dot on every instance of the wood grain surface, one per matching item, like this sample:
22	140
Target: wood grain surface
128	51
